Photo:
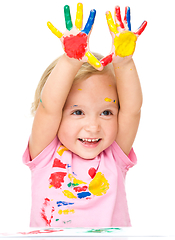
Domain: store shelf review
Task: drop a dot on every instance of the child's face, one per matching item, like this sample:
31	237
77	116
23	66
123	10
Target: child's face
90	114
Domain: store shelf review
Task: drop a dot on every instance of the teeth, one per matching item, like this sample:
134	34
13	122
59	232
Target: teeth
90	140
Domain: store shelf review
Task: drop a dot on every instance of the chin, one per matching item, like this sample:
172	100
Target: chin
87	156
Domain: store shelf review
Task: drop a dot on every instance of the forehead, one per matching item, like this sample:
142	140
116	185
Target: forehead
99	87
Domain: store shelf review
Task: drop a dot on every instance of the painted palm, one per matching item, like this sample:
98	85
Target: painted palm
75	40
123	39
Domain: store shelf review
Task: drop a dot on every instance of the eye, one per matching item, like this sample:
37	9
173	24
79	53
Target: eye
78	112
106	113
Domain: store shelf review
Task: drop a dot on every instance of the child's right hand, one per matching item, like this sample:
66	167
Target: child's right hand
75	40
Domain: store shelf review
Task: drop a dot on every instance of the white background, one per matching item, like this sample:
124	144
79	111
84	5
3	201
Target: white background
27	47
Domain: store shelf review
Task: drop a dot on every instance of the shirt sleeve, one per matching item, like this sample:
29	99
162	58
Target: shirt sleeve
125	162
43	158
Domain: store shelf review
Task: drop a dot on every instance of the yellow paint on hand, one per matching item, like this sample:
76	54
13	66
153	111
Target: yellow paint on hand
93	60
69	194
54	30
99	185
75	181
108	99
61	150
111	24
125	44
79	16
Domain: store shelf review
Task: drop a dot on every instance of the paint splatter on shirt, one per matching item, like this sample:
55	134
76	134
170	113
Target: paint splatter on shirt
68	191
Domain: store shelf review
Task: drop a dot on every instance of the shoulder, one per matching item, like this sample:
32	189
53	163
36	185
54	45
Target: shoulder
44	157
121	158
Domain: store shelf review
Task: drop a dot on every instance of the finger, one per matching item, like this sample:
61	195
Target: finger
106	60
141	29
90	22
79	16
54	30
93	61
67	17
127	18
118	17
111	25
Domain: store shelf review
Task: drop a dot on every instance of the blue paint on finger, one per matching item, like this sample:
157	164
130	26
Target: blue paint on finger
90	22
128	18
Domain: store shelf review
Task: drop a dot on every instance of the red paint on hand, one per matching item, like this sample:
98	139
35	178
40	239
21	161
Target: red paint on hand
75	46
58	163
105	61
92	172
57	178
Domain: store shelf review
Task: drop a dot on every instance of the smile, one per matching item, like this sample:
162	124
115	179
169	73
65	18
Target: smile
89	139
89	142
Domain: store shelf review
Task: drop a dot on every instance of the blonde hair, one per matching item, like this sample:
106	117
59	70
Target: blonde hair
84	72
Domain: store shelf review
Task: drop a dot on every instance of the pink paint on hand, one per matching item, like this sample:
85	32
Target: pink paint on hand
75	46
58	163
56	179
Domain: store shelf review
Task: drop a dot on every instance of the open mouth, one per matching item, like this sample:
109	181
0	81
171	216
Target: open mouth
89	140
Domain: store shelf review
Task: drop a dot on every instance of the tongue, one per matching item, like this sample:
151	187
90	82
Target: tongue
86	142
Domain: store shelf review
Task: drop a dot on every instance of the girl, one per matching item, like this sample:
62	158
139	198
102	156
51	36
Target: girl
86	118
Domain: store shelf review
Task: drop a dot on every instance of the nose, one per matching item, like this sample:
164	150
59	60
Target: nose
92	125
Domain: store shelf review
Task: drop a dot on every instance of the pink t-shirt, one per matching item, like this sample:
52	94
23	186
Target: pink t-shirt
68	191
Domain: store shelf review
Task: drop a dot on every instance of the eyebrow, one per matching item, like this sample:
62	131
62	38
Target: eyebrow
109	105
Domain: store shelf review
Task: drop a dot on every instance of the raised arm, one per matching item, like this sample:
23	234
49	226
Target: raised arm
49	113
127	80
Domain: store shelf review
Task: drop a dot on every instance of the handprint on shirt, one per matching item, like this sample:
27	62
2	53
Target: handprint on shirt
123	39
75	40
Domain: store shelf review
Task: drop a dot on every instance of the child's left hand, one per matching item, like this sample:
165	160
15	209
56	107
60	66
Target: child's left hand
124	40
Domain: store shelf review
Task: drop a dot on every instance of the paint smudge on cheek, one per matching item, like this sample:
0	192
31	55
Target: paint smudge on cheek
56	179
99	185
75	46
47	211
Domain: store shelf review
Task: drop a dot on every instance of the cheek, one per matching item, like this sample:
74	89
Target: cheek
67	129
110	128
